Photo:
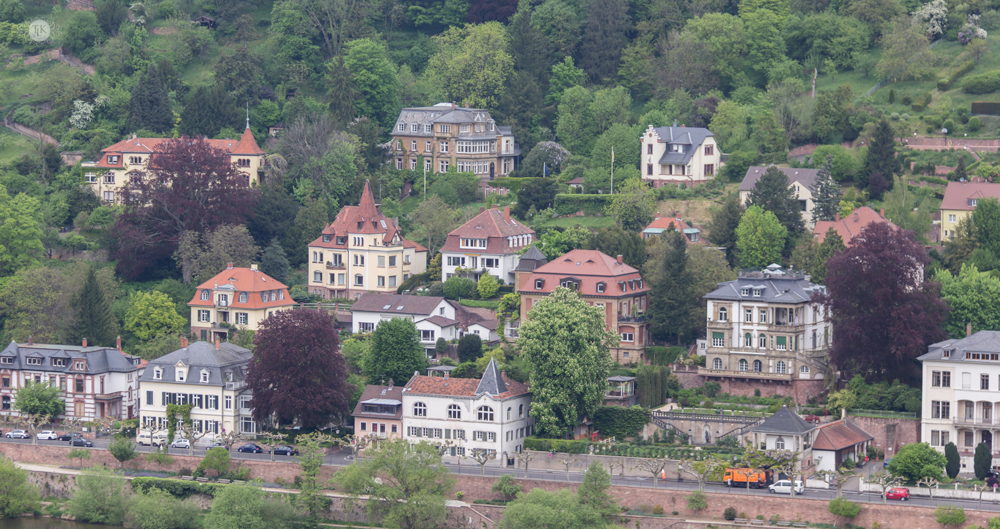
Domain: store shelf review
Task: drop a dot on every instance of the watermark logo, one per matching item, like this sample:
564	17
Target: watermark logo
39	31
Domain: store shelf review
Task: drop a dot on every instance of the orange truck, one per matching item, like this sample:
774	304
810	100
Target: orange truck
738	477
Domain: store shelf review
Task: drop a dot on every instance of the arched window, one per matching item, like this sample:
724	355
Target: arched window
744	365
804	370
780	443
762	342
757	366
748	340
520	411
779	367
485	413
420	409
717	363
243	297
454	411
723	314
508	413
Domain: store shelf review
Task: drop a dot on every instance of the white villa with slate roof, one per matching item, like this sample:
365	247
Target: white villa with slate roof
212	377
679	155
763	328
97	381
785	430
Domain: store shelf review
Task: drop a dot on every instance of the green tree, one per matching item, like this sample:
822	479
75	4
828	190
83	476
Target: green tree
39	399
672	303
774	193
488	286
722	228
395	352
881	158
554	243
20	231
408	482
310	220
633	205
123	449
949	515
725	37
917	460
101	496
962	245
904	49
564	75
79	453
473	62
760	238
907	209
832	245
593	493
95	321
209	110
216	459
982	461
825	192
507	487
273	261
458	287
237	507
615	241
82	33
973	298
575	126
952	460
470	348
986	217
342	92
149	107
150	314
12	11
541	509
538	193
240	73
432	220
605	35
843	507
731	125
567	345
697	501
157	509
17	495
374	78
621	137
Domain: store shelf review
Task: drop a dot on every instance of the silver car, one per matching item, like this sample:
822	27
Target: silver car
785	487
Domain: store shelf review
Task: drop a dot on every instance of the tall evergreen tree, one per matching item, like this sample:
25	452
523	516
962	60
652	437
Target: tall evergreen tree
832	245
95	321
672	303
529	46
208	110
773	193
149	107
960	172
343	93
881	156
273	262
825	193
722	228
604	38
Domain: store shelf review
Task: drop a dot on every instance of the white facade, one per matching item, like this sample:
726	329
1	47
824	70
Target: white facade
679	155
366	321
500	265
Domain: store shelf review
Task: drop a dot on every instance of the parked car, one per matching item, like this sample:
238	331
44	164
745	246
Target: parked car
285	450
69	436
885	464
180	443
18	434
898	493
784	486
47	435
145	439
80	441
250	447
216	444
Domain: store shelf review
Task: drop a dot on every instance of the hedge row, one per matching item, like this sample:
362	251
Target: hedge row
983	83
480	303
921	102
620	422
944	84
175	487
556	445
986	107
567	204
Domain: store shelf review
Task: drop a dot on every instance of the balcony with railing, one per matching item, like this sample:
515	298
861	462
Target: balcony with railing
976	421
729	373
339	265
221	302
233	386
632	318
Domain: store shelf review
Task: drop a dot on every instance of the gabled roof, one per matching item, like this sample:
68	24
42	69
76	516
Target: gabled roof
463	387
850	226
589	267
245	145
839	435
773	284
784	421
441	321
396	304
492	383
690	137
98	359
364	219
805	177
248	280
958	194
491	224
531	260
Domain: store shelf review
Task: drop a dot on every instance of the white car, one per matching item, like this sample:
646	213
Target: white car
145	439
785	487
180	443
18	434
47	435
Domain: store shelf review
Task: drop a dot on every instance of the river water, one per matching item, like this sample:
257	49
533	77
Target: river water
48	523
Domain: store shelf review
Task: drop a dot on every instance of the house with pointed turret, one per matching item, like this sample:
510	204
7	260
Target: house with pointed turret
362	251
119	162
464	414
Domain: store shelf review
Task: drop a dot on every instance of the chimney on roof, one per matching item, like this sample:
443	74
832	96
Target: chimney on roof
390	383
881	212
229	266
503	374
218	344
184	342
85	342
482	209
453	105
494	206
968	329
657	214
118	343
619	258
838	217
253	267
843	413
31	340
506	213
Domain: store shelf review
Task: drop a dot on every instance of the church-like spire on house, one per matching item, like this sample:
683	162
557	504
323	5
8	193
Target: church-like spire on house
492	382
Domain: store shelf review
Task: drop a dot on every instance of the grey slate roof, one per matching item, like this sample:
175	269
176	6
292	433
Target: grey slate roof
531	259
198	356
774	283
491	383
980	342
690	138
99	359
806	177
784	421
441	113
374	302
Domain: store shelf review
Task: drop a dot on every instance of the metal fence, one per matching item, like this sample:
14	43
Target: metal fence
885	413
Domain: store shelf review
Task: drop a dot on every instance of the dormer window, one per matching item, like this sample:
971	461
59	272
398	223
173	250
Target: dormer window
243	297
600	287
757	292
157	374
342	240
263	296
80	366
401	127
539	284
745	292
622	286
327	238
112	158
206	295
180	375
34	361
59	362
204	377
972	202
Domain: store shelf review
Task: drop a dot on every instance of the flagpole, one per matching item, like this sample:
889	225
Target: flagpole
612	170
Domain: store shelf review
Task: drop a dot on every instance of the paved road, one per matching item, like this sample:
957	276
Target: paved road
343	457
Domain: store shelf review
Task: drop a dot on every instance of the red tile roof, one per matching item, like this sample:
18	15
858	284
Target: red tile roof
850	226
244	280
838	435
958	194
666	222
590	267
459	387
494	226
245	145
363	219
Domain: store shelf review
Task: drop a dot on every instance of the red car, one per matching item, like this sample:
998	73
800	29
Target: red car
899	493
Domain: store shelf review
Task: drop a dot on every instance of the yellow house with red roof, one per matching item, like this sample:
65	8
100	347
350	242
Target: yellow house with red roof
109	173
241	297
362	251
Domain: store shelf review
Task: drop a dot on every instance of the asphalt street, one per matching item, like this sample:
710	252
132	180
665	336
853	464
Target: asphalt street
343	457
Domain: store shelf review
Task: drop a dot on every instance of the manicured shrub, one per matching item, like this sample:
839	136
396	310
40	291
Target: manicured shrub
907	100
729	513
984	83
974	124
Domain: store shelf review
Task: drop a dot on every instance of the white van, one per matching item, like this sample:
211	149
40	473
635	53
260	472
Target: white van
145	439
